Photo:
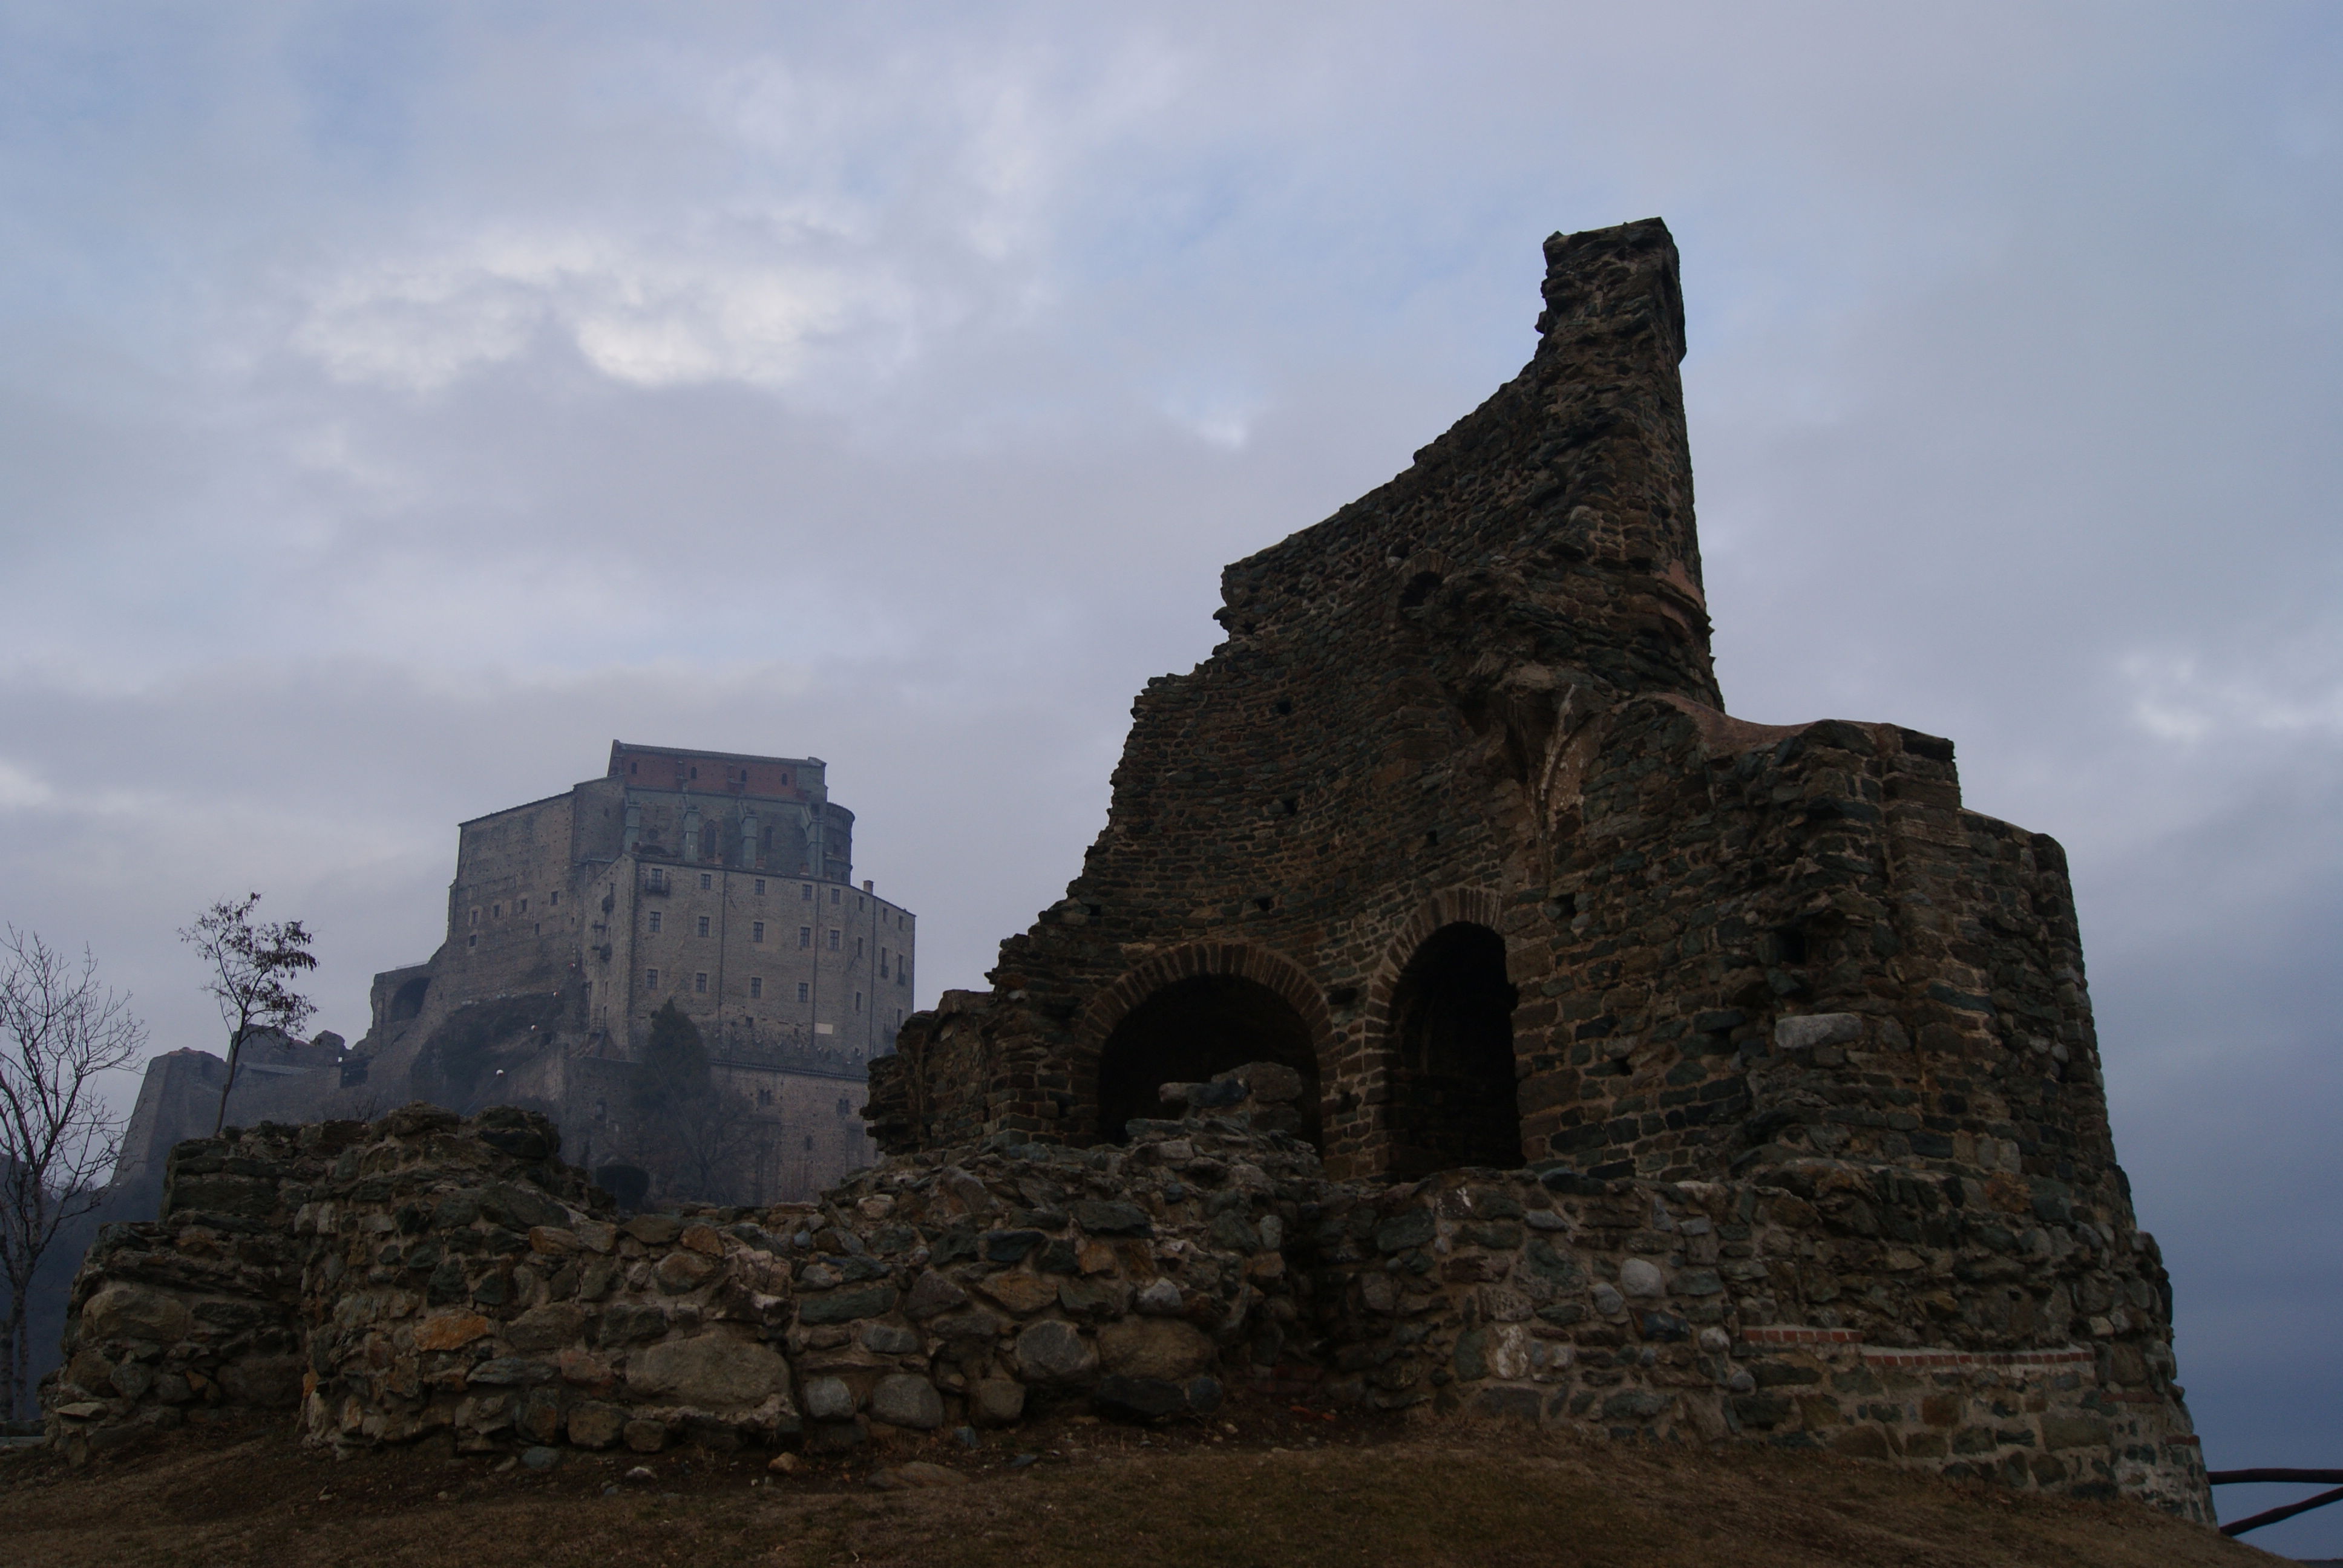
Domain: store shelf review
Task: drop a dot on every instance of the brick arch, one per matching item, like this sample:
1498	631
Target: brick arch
1479	906
1435	564
1264	966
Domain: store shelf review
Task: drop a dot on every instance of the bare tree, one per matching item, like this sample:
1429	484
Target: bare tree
59	1030
252	964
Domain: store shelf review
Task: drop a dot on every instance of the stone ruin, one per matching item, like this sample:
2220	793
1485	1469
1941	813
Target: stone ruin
1543	1045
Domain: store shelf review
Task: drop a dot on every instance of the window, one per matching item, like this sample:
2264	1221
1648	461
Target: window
858	947
756	987
805	936
650	979
695	773
805	991
472	941
764	1097
833	895
833	939
475	914
756	930
699	981
553	900
654	922
882	963
845	1106
808	893
707	879
858	1001
496	911
703	925
537	928
521	908
634	767
761	886
808	1140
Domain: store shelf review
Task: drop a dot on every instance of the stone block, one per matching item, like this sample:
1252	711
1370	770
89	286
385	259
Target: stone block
712	1371
996	1402
595	1425
904	1400
1054	1354
1159	1347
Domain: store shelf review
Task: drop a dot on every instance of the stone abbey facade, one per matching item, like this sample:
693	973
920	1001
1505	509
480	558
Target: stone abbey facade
722	883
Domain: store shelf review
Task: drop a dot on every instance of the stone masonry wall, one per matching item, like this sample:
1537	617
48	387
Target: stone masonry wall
421	1275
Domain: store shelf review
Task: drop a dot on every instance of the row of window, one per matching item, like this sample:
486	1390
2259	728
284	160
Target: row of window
520	906
685	773
656	876
755	987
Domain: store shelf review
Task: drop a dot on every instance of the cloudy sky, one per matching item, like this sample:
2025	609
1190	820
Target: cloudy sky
398	402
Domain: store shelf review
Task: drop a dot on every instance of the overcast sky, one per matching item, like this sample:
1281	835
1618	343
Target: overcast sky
399	402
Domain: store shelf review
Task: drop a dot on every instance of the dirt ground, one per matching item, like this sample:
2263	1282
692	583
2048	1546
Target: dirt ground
1262	1484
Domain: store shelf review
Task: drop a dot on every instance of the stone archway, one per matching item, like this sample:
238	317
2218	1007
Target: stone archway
1443	1005
1185	1015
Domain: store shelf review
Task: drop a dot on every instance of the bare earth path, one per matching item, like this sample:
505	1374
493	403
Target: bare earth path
1268	1488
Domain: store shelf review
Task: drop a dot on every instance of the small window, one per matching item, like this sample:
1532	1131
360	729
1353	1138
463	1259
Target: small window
761	886
537	928
700	981
805	991
882	963
703	925
553	900
858	947
808	893
473	940
833	939
654	922
764	1097
756	930
756	987
833	895
633	768
521	908
805	936
845	1106
496	911
695	773
706	879
808	1141
650	979
858	1001
475	914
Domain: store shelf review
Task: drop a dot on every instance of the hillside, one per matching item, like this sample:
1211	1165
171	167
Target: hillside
1268	1486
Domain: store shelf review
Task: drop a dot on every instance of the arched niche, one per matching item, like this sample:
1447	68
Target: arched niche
1186	1030
1454	1099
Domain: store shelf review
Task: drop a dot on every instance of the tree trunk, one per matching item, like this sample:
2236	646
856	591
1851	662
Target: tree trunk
235	1050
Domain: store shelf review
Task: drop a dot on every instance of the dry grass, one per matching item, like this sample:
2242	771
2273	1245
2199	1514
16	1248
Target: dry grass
1268	1488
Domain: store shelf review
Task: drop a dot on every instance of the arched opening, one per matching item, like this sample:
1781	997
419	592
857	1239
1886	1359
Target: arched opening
407	1000
1453	1100
1193	1029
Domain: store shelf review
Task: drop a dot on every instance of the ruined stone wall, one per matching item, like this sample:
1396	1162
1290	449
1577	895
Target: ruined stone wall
421	1276
1478	700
